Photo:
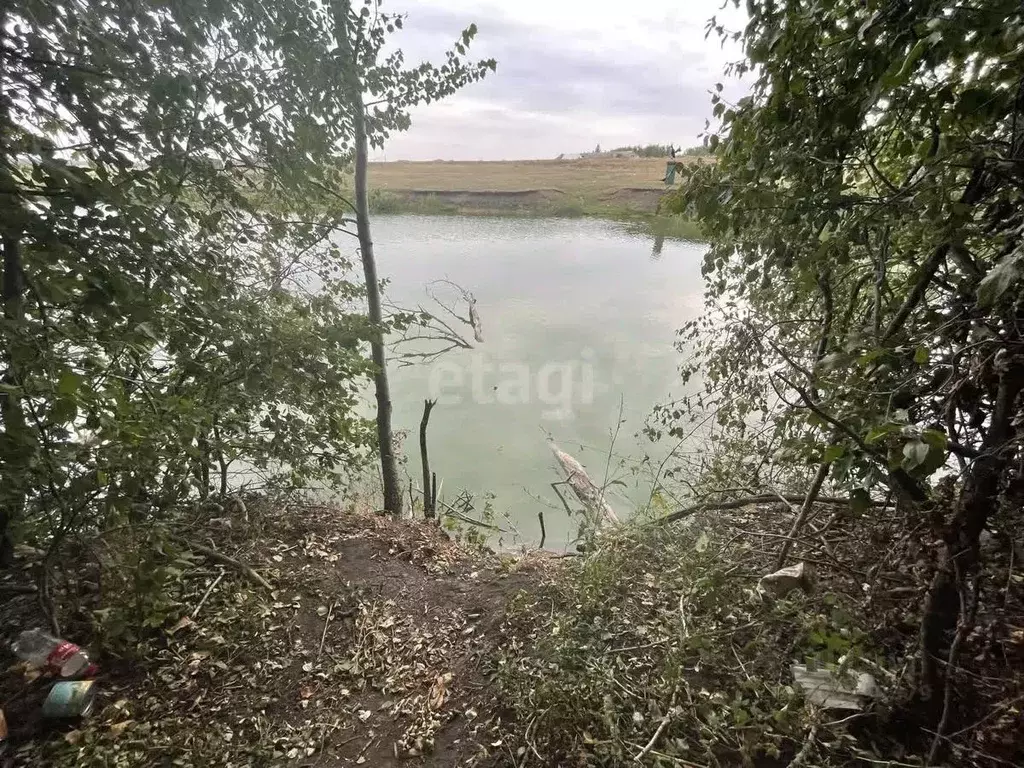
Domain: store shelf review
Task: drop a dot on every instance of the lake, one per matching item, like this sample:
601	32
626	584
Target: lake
578	317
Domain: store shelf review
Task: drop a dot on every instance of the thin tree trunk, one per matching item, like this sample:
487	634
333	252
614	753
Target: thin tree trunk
805	510
354	89
222	463
203	466
429	501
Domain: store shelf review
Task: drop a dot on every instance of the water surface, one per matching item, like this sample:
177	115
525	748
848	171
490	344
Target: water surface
578	316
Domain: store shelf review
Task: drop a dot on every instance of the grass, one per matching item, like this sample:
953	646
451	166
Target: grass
668	226
671	227
587	179
614	188
656	649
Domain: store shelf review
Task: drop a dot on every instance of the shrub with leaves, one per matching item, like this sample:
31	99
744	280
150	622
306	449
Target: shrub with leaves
173	309
864	217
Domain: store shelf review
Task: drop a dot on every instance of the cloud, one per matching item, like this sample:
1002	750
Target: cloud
566	80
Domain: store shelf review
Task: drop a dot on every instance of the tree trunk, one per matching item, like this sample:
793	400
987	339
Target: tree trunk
959	555
354	89
429	502
222	463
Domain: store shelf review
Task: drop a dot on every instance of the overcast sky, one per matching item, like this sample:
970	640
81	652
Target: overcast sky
571	75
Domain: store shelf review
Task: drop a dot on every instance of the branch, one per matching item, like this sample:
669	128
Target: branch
928	271
972	194
220	557
767	498
672	711
959	449
827	417
805	510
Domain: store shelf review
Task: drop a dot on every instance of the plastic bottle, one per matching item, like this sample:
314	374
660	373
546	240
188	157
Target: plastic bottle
43	650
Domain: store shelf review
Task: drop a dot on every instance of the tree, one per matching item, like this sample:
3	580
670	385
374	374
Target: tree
392	90
155	321
865	222
174	302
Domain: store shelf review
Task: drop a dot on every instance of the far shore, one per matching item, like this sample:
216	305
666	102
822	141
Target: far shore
606	187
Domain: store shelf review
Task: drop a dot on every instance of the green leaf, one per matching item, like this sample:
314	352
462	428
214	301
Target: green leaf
921	356
833	452
998	280
63	411
68	383
877	433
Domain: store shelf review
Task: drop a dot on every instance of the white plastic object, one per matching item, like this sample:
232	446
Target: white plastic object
43	650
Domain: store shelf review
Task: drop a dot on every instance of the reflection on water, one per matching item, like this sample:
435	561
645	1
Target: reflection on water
659	244
579	314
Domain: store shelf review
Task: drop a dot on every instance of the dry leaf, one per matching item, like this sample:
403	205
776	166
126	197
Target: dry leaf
180	624
439	690
74	738
118	728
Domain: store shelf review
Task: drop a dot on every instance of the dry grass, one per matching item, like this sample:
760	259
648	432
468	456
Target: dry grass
588	179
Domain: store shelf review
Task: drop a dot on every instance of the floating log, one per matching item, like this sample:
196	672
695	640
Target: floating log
589	494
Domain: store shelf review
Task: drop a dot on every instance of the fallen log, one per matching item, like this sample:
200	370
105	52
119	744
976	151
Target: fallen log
767	498
589	494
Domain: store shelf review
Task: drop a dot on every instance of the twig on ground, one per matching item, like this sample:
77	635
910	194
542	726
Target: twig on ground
673	711
216	581
682	617
526	736
19	589
220	557
805	750
742	665
327	623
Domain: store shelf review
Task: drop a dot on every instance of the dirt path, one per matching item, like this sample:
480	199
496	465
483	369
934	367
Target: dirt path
372	649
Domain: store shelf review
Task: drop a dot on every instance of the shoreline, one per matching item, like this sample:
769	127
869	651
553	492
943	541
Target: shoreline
613	188
526	204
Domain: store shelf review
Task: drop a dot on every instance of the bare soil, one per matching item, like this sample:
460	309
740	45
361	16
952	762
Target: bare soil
372	649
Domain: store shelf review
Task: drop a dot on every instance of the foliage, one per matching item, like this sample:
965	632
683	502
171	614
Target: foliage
664	626
174	307
864	215
663	150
